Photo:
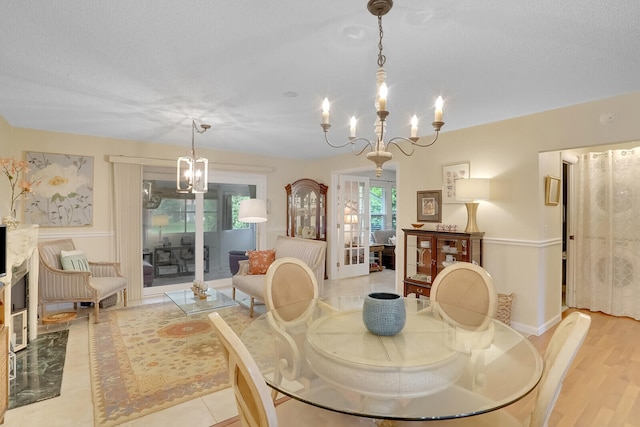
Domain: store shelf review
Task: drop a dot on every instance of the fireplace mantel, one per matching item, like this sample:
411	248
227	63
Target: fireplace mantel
22	244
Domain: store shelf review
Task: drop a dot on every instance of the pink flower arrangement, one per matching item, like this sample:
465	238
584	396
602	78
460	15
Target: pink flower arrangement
12	169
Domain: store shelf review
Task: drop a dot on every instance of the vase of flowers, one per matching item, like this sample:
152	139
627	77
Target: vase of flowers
15	171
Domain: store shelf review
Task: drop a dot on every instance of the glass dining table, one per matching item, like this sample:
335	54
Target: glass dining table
445	363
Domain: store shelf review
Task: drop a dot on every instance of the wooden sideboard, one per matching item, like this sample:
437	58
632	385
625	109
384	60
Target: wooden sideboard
427	252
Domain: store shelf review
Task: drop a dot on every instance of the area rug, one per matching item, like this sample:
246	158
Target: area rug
39	369
148	358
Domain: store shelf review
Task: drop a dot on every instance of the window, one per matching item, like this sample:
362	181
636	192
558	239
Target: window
382	206
221	206
234	205
377	208
182	215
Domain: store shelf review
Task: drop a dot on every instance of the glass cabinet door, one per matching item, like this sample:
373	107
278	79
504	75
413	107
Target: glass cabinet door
419	256
451	250
306	209
19	319
322	220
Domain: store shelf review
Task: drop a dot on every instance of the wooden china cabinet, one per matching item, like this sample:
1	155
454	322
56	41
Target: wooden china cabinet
427	253
307	209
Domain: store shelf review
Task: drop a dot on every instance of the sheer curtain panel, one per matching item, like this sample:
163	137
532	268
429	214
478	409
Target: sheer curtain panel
608	232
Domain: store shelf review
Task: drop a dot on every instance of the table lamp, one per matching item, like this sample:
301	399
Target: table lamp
253	211
470	191
160	221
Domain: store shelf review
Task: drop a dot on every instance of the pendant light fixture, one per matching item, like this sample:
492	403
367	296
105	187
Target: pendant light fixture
378	148
192	171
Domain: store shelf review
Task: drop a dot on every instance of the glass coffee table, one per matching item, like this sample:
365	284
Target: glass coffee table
190	321
192	304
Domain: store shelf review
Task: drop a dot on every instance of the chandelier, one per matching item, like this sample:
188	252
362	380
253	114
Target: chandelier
192	171
378	149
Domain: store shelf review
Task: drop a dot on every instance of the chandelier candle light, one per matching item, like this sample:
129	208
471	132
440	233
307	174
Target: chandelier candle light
192	171
378	149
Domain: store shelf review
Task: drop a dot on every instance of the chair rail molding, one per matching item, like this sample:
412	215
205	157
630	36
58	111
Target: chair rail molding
527	243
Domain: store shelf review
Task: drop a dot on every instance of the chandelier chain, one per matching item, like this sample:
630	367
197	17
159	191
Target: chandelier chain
381	58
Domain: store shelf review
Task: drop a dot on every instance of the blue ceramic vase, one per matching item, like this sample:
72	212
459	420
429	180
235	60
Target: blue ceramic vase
384	313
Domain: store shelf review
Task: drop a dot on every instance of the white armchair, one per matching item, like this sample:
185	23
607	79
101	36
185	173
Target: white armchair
58	285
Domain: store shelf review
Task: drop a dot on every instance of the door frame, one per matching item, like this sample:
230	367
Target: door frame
332	231
569	213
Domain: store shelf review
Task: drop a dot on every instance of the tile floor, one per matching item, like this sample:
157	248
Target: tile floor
74	406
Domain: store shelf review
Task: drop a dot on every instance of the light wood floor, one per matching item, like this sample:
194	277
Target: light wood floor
602	387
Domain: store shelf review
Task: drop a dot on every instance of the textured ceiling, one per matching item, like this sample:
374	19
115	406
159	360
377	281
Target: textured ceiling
142	69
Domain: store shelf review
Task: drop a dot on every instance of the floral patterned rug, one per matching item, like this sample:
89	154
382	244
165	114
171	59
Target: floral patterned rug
148	358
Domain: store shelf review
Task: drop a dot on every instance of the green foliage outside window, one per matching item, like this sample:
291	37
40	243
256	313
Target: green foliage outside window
181	210
235	208
378	205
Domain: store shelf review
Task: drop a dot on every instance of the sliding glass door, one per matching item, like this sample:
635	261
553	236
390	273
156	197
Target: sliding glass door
168	221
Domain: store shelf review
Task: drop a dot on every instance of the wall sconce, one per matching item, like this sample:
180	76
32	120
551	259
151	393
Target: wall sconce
470	191
192	171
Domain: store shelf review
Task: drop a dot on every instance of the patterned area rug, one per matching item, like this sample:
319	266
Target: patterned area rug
148	358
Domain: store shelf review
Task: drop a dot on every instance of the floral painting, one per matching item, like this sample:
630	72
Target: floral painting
64	196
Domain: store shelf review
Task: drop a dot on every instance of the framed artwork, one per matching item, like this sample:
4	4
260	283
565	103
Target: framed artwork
64	197
430	206
449	175
552	190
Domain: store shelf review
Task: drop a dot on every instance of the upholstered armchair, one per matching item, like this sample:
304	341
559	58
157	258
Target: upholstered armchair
91	282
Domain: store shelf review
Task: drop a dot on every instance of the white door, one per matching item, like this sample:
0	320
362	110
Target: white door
353	226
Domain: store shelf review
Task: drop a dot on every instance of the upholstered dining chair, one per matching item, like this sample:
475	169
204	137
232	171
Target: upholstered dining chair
562	349
291	287
291	290
255	407
463	295
468	286
67	276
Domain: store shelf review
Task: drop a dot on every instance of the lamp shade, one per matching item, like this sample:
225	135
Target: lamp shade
252	210
468	190
160	220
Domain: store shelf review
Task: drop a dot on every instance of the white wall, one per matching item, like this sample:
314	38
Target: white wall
517	252
522	247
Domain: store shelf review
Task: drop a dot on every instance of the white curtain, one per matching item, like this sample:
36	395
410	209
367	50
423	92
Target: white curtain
127	183
608	232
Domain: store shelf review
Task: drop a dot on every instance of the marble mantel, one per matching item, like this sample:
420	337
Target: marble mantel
22	244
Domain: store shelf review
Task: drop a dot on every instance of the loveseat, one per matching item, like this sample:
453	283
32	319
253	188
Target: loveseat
383	237
312	252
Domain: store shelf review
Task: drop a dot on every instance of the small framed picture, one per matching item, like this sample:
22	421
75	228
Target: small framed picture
430	206
552	190
451	173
